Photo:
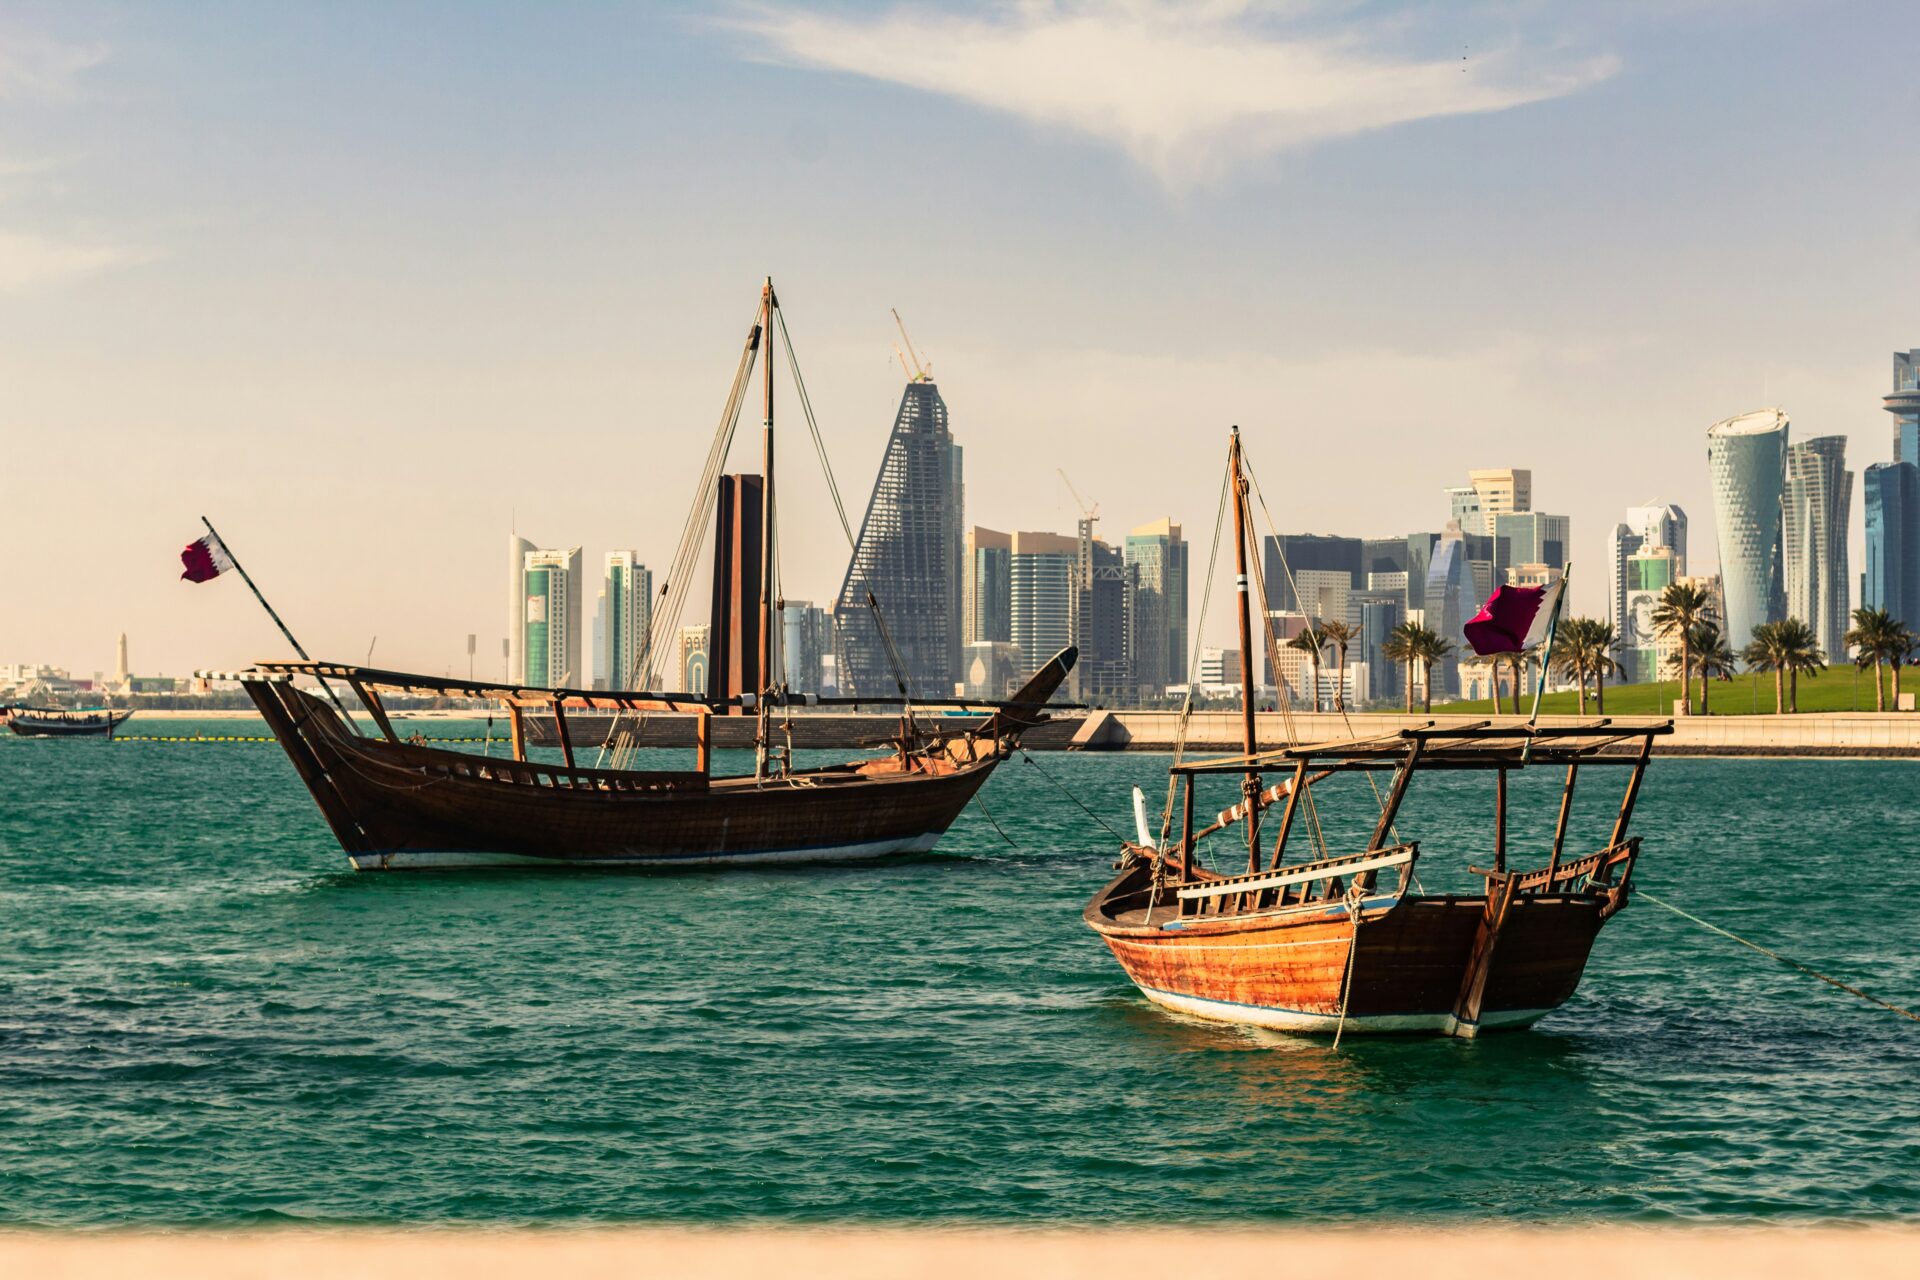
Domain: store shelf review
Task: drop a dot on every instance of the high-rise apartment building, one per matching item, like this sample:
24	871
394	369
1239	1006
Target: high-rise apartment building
1747	464
987	604
1815	514
1043	595
1157	555
1531	537
626	622
1904	405
1651	527
1891	580
692	657
1103	622
908	557
517	549
550	639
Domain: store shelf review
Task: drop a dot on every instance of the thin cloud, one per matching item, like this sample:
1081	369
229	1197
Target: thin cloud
1188	92
38	69
28	261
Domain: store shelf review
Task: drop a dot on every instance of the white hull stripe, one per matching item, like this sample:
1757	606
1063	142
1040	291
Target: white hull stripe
1280	1019
457	859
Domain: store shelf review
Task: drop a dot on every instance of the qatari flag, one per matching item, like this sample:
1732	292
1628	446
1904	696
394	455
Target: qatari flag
205	559
1514	619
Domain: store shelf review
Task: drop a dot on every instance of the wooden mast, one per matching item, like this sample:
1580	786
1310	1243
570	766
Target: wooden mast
1251	784
762	735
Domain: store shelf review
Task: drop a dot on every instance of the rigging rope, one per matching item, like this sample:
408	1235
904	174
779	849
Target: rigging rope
1354	897
1069	795
1775	955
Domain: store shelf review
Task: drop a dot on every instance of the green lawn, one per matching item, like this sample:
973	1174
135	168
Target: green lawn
1837	689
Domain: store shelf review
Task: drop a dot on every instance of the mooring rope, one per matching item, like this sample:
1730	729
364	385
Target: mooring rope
1069	795
981	805
1775	955
1355	897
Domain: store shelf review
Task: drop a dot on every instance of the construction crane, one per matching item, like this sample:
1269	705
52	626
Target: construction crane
1089	514
919	372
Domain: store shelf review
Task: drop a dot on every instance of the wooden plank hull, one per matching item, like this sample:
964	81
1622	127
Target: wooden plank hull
1409	956
28	724
397	806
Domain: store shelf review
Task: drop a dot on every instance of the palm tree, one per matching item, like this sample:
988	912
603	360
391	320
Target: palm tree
1713	656
1601	638
1430	648
1786	648
1874	638
1340	635
1573	654
1402	645
1683	607
1311	642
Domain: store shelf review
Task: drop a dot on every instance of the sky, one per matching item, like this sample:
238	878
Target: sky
372	284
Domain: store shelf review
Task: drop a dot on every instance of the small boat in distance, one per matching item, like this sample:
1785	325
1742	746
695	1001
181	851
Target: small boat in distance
53	722
1348	941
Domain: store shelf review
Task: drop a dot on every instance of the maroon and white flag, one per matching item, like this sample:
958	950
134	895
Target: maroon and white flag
1514	619
205	559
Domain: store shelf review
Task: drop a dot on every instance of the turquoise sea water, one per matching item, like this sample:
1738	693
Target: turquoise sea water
206	1018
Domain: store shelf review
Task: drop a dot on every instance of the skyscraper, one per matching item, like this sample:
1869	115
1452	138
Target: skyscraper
806	638
908	558
1747	462
1815	516
1650	527
1892	577
517	548
1291	554
1904	405
1158	555
1503	491
550	640
1449	582
988	604
1043	592
626	593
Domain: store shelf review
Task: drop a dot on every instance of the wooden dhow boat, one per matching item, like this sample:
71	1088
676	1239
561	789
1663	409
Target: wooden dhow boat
44	722
1349	942
397	804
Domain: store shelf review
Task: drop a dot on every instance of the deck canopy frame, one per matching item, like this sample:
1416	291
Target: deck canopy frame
1480	746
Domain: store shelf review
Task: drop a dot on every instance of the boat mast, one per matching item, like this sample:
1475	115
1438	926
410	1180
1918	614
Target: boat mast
762	735
1251	784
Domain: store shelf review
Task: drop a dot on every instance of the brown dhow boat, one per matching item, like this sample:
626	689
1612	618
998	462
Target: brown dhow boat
1349	941
397	804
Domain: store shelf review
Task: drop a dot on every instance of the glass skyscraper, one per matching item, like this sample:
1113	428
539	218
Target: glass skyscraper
1158	555
1892	577
1815	515
988	604
551	638
1043	591
1904	405
626	611
908	556
1747	463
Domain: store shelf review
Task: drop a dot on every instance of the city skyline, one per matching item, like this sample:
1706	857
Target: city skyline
218	297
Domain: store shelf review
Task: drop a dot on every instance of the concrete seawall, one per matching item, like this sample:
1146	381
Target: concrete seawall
1845	734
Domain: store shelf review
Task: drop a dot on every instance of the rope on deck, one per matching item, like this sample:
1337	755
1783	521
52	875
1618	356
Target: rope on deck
1775	955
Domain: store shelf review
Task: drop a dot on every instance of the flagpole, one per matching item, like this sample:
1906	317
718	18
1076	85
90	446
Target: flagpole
297	648
1540	681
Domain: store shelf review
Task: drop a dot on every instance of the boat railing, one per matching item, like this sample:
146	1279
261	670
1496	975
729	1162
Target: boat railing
551	777
1282	886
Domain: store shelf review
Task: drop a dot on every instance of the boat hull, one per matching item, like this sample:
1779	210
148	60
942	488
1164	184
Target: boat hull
28	725
397	806
1401	971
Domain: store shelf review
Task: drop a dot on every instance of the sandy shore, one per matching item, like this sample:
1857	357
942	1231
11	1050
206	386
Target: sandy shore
1611	1252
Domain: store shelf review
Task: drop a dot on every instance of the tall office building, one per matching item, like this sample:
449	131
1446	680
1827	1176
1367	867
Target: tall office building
1380	613
1815	516
626	622
1503	491
1530	538
1892	577
908	556
1653	526
1103	621
987	607
1157	553
1291	554
1450	580
1747	464
1464	509
1646	576
517	549
806	640
1904	405
550	640
1043	590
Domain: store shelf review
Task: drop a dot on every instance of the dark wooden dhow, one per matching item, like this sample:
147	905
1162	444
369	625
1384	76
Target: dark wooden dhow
397	805
36	722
